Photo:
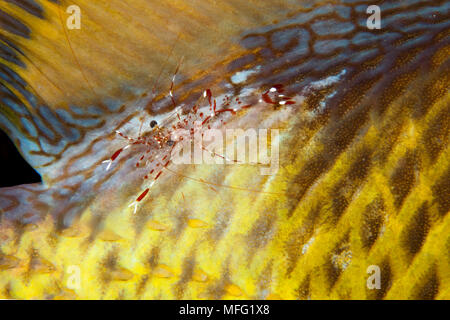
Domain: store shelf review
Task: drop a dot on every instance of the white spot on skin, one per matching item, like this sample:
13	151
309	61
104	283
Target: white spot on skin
327	81
242	76
307	245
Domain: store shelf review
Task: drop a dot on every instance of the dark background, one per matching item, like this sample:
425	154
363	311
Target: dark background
14	169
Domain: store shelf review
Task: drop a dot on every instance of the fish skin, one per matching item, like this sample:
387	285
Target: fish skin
364	163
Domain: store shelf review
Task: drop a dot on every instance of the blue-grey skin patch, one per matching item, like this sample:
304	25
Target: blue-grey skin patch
344	12
14	106
332	27
52	148
239	63
396	20
77	110
28	146
302	48
11	100
329	46
364	38
281	39
301	36
11	76
29	127
74	135
13	79
252	42
10	55
364	55
8	125
69	134
113	105
300	19
29	97
367	38
80	122
48	115
326	64
421	25
95	110
267	54
40	160
46	130
286	74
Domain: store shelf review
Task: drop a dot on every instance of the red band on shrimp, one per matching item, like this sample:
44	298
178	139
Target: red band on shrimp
143	194
157	176
116	154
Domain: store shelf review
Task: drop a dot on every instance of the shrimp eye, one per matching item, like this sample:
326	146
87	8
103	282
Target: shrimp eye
153	123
